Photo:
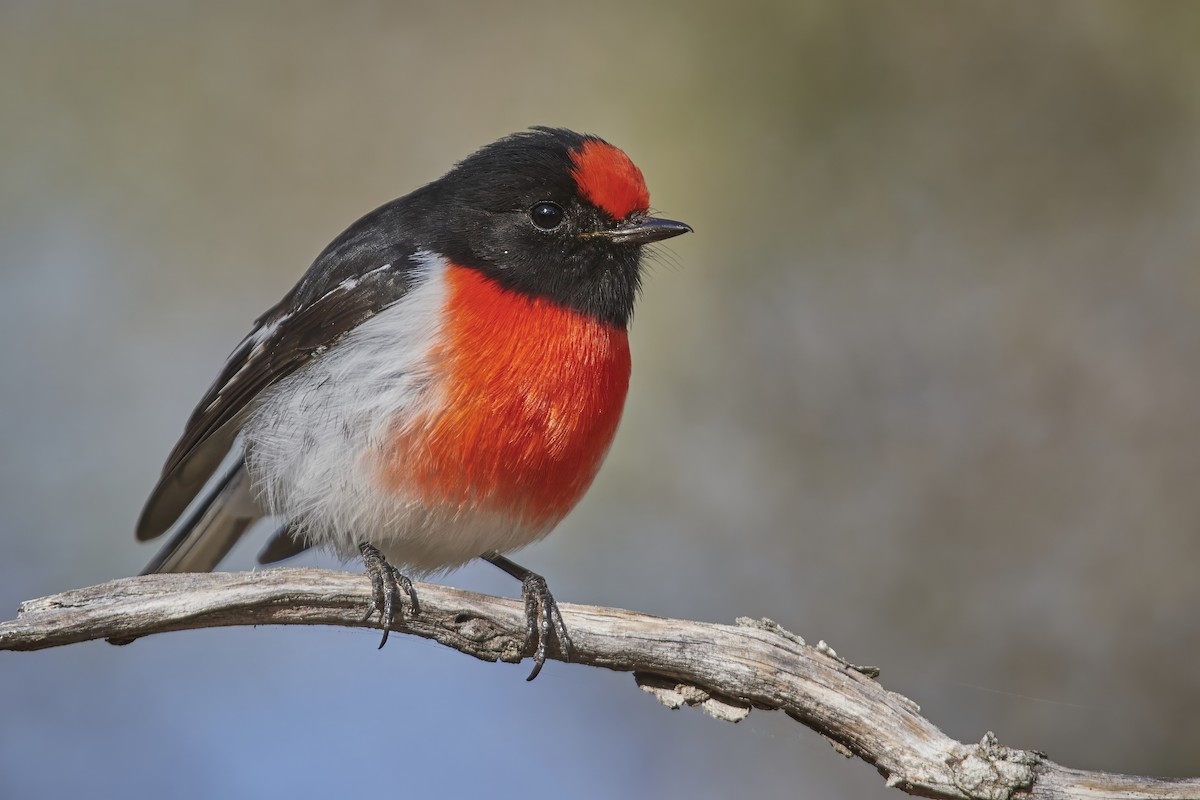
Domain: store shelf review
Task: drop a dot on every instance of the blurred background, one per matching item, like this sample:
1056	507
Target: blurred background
924	383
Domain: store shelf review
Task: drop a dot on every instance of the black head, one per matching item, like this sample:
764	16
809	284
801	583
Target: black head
547	212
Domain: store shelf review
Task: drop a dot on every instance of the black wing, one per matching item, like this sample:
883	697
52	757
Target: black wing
365	270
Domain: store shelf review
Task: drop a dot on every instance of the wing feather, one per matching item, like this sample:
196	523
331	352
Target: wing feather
357	276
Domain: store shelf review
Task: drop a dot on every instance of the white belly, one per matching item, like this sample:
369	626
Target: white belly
314	440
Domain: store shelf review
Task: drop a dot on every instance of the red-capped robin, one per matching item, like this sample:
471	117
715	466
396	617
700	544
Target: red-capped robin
441	385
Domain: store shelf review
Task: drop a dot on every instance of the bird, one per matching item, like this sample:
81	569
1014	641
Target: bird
441	385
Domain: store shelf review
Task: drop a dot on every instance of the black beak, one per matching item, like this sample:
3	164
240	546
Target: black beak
642	230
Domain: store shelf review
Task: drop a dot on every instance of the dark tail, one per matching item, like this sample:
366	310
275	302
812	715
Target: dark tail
213	526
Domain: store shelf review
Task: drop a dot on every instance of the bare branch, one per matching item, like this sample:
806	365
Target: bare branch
725	669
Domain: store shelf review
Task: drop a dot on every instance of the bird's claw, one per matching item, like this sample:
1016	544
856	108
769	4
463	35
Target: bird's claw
541	618
387	583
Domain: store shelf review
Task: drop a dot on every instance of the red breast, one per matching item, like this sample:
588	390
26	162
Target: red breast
531	394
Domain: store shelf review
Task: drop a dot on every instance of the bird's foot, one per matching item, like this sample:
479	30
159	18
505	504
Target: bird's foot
542	616
387	583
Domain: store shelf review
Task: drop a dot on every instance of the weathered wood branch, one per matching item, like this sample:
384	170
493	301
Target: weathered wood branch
725	669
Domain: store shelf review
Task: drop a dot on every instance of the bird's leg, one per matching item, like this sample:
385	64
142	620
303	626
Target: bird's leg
541	612
386	584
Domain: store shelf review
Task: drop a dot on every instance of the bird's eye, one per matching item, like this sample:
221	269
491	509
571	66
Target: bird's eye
547	215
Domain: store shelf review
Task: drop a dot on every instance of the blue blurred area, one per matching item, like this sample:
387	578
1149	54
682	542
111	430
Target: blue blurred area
922	384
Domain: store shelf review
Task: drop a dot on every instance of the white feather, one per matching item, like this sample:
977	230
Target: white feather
314	441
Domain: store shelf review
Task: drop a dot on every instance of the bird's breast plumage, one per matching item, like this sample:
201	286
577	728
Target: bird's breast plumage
529	398
464	418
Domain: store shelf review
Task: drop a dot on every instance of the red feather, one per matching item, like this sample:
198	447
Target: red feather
607	178
531	394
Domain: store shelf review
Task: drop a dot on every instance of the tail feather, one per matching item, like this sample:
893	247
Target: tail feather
184	481
209	532
284	544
